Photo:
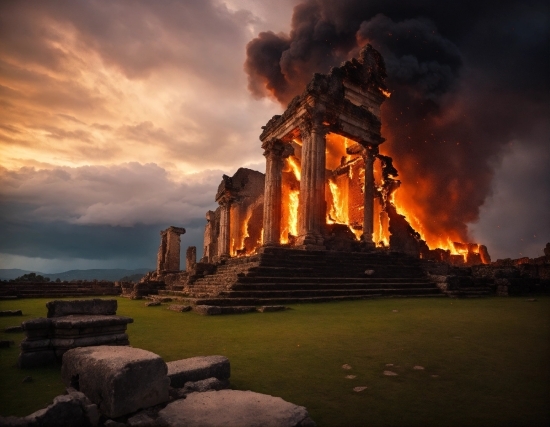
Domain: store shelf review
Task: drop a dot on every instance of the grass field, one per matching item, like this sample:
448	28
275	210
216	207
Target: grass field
487	361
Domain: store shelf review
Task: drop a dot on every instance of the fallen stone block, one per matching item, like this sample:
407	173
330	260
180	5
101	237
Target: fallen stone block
209	310
234	309
152	303
198	368
205	385
13	329
37	328
120	380
268	308
60	308
5	313
72	410
179	308
227	408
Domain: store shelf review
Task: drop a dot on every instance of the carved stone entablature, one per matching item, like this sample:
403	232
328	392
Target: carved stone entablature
277	148
347	101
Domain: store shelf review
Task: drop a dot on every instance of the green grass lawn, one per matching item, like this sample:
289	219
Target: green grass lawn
487	361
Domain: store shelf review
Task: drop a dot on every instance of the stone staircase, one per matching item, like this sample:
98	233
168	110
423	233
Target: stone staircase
285	276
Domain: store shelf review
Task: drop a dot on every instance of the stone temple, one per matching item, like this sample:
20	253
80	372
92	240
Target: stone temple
320	224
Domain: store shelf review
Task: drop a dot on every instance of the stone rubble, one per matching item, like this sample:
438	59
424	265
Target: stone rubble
120	380
198	368
69	326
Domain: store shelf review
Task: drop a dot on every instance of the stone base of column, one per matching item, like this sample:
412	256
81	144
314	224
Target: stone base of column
311	247
310	239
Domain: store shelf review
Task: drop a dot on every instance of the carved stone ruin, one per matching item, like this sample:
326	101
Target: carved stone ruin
71	324
191	258
168	257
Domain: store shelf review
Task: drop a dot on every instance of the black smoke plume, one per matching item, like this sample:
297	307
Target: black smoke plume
467	80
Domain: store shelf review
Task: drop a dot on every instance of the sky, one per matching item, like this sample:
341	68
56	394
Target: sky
119	118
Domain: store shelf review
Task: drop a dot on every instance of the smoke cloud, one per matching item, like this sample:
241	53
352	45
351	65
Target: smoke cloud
468	79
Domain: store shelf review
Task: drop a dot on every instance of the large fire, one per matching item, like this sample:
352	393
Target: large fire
344	196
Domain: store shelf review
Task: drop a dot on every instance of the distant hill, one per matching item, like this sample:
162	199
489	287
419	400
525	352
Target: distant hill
13	273
94	274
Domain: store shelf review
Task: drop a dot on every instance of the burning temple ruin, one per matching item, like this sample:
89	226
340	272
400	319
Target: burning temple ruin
326	186
321	223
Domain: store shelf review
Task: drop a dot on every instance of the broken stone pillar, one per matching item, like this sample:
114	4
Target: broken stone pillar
191	258
311	213
210	237
368	212
169	251
274	151
484	254
224	237
161	252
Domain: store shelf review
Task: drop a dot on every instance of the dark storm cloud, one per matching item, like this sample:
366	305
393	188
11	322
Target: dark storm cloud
122	195
467	78
99	213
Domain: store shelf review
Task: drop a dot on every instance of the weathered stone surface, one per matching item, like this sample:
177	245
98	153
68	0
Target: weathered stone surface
198	368
12	329
4	313
207	309
72	410
152	303
86	321
60	308
179	308
268	308
234	408
113	423
205	385
142	419
120	380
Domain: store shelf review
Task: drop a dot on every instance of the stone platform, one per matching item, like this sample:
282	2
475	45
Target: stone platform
71	324
284	276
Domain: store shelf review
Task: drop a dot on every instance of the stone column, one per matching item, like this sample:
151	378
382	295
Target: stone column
169	251
311	213
368	213
224	237
275	151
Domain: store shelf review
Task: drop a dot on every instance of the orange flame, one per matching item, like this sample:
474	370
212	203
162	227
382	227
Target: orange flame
296	169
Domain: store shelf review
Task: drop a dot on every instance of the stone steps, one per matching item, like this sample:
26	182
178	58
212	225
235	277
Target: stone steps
284	276
471	292
227	302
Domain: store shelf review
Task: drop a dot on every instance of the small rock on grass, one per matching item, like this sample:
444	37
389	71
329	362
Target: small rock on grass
351	377
179	308
434	376
359	389
14	329
395	311
418	368
152	303
389	364
346	366
390	373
